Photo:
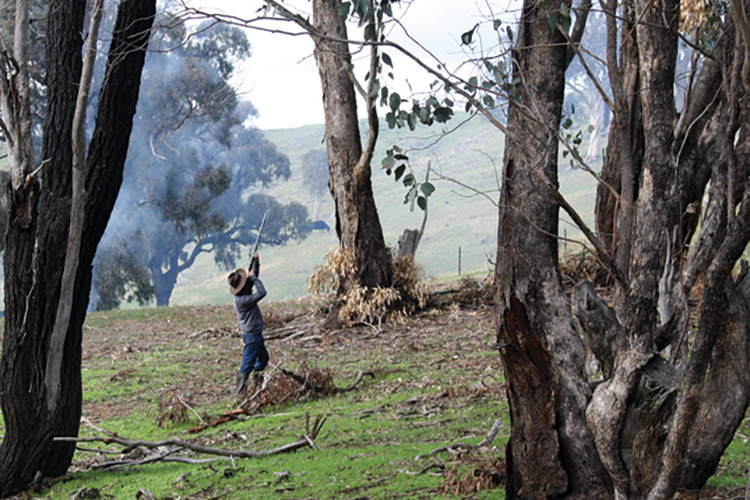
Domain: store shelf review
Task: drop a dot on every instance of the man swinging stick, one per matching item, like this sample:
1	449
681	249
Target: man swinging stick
255	355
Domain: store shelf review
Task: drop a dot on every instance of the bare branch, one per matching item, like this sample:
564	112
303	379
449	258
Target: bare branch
601	251
178	445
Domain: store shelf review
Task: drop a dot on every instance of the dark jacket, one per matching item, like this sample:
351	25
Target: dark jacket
246	304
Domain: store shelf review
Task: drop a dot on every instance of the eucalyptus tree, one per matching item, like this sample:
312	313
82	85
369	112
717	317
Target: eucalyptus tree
661	418
357	222
40	371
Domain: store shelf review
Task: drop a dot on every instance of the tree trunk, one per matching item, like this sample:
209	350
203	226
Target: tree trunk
164	283
622	162
357	221
35	255
651	438
550	454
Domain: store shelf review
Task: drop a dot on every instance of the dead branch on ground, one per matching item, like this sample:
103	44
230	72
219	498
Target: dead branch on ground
165	448
460	448
325	389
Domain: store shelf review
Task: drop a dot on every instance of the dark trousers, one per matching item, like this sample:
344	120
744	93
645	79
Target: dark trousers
255	355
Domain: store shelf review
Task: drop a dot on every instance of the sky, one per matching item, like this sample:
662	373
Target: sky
281	78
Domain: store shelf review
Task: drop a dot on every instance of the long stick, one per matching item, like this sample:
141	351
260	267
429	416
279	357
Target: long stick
257	240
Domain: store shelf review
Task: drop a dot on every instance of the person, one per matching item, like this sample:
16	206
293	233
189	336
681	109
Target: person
255	355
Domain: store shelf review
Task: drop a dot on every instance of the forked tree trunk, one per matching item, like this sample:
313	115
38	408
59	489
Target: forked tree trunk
35	253
357	221
652	438
550	453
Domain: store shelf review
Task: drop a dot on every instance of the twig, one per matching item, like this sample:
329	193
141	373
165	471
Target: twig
191	409
144	493
120	464
303	380
493	432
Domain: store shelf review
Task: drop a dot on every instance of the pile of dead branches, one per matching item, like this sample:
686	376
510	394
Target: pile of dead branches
281	385
470	294
483	477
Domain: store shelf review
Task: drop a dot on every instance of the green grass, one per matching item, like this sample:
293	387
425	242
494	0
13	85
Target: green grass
435	383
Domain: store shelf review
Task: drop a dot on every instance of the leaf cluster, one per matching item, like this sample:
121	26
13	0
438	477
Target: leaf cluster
187	203
397	162
121	274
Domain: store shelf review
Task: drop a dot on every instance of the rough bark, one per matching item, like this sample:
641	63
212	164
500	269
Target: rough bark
34	259
622	162
78	198
657	425
549	455
357	221
725	394
602	331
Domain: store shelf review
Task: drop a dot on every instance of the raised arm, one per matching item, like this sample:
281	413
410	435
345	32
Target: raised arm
254	267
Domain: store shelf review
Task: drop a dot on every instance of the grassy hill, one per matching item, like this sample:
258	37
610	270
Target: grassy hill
459	218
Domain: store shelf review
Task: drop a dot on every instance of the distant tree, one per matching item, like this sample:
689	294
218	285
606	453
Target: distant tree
173	198
315	176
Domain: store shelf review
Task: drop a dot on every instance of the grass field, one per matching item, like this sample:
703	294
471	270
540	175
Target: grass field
156	374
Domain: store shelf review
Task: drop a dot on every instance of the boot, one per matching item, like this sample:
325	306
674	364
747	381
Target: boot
241	379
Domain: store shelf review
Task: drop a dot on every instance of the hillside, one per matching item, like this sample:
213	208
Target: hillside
459	218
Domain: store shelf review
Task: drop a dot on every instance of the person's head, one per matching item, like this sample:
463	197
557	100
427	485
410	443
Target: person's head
237	280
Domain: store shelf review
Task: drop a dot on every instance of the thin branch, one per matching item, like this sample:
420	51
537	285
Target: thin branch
574	47
372	113
601	251
457	448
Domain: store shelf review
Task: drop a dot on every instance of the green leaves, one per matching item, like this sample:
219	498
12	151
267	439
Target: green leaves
562	18
365	12
394	102
417	192
344	9
400	171
427	188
